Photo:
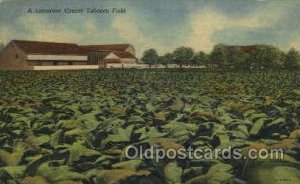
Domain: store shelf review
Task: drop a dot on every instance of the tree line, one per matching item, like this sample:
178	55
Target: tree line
228	57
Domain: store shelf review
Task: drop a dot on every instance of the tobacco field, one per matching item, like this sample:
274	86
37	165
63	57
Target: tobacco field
72	127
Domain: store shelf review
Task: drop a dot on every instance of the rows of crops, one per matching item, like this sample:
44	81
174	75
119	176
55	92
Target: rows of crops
69	127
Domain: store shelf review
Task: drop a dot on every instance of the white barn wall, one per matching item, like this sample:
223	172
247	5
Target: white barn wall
66	67
114	65
128	60
57	58
108	65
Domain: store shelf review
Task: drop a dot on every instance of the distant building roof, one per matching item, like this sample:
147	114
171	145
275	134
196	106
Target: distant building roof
111	47
124	54
54	48
246	49
38	47
117	49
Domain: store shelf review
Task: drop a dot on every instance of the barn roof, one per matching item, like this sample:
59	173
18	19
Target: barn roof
246	48
38	47
111	47
124	54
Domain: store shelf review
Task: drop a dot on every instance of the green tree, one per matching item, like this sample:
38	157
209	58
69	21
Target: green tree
166	59
183	56
236	58
218	56
292	59
150	57
277	57
200	59
266	57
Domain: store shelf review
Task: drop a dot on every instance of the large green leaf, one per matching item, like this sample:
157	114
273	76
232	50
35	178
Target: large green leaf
149	133
217	174
172	173
257	127
60	173
275	174
131	165
121	135
78	150
13	171
114	175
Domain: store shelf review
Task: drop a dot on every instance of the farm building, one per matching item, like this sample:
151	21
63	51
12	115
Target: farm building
117	55
35	55
244	48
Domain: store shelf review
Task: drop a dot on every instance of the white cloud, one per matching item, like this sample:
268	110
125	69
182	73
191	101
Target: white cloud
295	44
5	34
90	26
129	32
41	29
205	23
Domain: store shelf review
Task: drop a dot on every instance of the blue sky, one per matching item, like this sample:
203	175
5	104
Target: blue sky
163	25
